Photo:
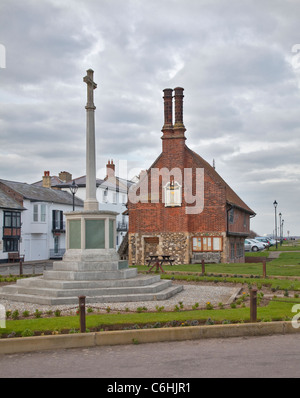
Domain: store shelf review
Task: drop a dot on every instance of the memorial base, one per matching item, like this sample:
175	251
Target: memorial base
91	268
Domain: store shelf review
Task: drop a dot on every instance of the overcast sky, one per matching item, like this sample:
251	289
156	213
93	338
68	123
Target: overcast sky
237	61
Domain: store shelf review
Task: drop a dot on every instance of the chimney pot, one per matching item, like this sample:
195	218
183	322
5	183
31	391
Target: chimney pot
178	107
46	179
168	108
110	169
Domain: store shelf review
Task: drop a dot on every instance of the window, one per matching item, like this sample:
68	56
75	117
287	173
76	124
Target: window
232	251
231	215
39	212
57	221
11	230
173	195
240	249
207	243
35	213
10	245
105	192
43	213
12	219
245	221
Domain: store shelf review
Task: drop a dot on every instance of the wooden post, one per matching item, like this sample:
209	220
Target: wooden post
82	314
264	269
203	266
253	305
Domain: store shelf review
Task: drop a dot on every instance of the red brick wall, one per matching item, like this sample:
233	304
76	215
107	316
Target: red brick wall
155	217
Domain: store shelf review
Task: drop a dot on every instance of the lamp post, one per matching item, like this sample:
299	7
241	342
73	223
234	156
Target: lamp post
275	207
280	228
73	188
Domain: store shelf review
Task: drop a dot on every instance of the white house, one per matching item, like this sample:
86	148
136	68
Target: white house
111	193
32	220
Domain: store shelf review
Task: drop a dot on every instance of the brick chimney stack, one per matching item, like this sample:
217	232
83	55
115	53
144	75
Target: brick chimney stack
46	179
179	128
173	135
168	112
110	169
65	176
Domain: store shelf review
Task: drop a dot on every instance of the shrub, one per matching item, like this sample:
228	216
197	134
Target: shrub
38	313
141	309
15	315
27	333
25	313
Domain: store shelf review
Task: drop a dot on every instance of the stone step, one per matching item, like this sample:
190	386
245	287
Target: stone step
89	275
50	292
40	282
43	300
85	266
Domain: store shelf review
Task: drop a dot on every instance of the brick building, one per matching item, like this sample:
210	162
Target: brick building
181	206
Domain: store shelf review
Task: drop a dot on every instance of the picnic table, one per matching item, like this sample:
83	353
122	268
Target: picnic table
159	262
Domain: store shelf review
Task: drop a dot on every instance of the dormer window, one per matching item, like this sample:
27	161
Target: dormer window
173	195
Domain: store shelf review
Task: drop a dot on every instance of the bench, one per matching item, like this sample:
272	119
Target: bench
15	256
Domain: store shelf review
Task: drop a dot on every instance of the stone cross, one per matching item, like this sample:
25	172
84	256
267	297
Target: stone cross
90	202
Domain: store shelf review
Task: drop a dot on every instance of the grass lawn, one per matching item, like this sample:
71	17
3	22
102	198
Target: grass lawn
288	264
280	274
279	310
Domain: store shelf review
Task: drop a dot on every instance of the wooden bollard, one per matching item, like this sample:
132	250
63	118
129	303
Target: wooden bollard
82	314
203	267
253	305
21	268
264	269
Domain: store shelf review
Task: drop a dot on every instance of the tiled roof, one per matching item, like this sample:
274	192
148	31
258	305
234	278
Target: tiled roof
36	193
6	202
231	197
114	183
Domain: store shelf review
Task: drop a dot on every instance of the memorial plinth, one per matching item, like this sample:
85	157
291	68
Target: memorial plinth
90	266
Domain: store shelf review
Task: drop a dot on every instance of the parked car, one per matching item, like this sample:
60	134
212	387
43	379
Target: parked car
272	241
263	239
253	245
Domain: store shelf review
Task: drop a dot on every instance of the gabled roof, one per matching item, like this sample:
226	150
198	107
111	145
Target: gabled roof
231	197
40	194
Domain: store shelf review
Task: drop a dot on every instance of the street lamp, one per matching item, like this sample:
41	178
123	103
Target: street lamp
280	228
73	188
275	206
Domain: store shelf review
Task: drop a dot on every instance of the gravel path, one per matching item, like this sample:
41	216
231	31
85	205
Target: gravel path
190	295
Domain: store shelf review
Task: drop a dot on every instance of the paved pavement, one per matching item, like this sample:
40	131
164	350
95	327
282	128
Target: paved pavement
276	356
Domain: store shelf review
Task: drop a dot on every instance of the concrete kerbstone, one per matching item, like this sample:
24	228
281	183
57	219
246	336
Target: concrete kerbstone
29	344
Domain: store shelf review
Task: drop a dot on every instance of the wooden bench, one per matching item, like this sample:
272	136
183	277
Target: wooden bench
15	256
